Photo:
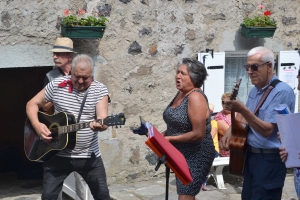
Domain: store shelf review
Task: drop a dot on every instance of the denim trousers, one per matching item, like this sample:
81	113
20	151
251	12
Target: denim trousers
91	169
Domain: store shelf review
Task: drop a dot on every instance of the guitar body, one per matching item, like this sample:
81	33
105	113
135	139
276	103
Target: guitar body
37	149
238	141
237	146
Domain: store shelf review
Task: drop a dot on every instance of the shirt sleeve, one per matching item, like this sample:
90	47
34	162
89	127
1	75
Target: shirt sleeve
100	91
49	91
268	113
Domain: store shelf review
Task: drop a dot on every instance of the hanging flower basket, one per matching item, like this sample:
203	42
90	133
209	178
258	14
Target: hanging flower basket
82	31
257	32
259	25
82	26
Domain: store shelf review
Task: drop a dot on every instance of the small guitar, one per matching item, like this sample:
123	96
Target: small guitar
238	143
63	129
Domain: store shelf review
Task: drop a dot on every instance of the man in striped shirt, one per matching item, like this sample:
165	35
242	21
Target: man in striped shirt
63	54
67	93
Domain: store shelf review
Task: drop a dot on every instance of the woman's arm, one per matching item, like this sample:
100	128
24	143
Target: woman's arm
197	113
222	127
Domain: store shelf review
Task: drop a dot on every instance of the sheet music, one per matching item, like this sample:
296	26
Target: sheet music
150	129
289	128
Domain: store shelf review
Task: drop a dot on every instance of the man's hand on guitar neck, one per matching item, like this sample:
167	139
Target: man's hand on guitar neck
226	139
96	126
43	131
234	105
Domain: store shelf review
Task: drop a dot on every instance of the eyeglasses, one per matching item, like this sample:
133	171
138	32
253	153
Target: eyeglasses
254	67
84	78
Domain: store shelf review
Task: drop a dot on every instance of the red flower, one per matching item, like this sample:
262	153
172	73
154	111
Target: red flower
66	12
267	13
81	11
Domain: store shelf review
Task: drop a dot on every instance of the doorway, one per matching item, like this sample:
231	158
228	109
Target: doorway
18	86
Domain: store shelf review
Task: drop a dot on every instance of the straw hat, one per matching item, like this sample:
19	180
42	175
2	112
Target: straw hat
63	44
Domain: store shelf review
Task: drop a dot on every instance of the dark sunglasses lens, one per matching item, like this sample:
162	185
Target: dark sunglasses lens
253	67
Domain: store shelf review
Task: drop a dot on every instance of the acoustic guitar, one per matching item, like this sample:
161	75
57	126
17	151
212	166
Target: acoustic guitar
238	141
63	130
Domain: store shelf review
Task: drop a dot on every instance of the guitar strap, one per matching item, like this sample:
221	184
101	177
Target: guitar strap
82	104
265	95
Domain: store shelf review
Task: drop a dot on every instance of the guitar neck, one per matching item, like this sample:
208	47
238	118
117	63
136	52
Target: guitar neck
232	114
76	127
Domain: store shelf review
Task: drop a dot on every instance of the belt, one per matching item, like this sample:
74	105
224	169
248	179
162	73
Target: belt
257	150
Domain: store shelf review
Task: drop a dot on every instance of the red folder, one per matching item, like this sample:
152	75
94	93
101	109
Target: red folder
174	158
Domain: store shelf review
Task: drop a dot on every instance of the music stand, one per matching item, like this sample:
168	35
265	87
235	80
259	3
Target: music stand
166	152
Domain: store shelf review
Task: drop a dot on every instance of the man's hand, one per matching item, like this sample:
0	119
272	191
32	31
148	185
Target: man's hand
234	105
226	139
44	133
283	154
96	126
278	136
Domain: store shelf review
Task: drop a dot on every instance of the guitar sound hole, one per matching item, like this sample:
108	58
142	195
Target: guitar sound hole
54	133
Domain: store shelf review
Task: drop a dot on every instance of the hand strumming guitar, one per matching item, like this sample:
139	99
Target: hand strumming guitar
43	132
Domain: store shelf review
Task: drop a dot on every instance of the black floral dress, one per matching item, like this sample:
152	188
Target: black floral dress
199	155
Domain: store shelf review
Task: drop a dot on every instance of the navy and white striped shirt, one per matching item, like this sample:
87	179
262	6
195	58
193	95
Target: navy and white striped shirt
64	101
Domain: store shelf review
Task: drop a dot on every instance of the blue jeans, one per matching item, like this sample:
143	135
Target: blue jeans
264	176
297	181
91	169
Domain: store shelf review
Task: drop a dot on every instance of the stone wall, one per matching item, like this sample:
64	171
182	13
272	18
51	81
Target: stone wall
137	57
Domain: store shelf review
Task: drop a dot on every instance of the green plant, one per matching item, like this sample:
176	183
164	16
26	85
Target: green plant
262	20
79	20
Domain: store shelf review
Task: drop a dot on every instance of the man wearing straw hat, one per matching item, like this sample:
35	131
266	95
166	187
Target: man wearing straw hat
63	55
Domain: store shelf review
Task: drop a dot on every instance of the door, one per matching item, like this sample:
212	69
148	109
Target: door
214	85
288	66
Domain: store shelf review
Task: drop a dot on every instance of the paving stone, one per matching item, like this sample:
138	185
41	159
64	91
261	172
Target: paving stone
153	189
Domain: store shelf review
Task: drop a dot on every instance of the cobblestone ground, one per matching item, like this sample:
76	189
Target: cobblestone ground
153	189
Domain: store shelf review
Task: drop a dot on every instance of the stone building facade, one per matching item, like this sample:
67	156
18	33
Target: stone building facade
138	54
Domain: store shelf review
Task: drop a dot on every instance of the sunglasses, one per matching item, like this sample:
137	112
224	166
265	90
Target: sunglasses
254	67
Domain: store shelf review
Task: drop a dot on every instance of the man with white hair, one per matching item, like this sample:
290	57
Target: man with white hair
67	94
63	55
264	172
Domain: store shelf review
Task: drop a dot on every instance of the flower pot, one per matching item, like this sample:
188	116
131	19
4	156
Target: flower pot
82	31
257	32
